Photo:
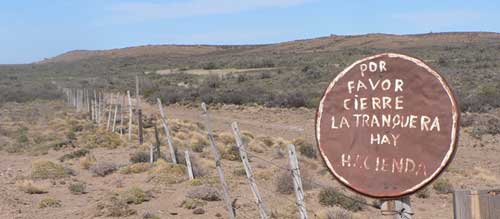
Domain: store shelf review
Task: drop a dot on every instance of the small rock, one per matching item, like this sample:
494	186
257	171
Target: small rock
199	211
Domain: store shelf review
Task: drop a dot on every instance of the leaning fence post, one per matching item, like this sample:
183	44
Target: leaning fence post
248	170
188	164
217	157
157	138
167	131
297	182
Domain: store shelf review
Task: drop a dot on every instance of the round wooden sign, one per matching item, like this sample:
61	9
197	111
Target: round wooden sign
387	125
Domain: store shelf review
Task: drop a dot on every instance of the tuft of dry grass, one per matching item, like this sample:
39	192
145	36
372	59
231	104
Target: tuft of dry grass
28	186
77	188
442	186
49	202
114	206
135	195
204	192
163	173
44	169
191	203
135	168
87	161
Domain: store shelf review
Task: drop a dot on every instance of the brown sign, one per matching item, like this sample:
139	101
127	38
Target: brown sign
387	125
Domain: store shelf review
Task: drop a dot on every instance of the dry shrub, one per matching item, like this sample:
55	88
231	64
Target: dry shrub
49	202
135	195
335	213
204	192
28	186
305	148
164	173
256	146
103	168
139	157
75	154
114	206
77	188
197	142
87	161
226	139
284	181
135	168
149	215
101	139
230	152
423	193
193	203
267	141
442	186
333	197
44	169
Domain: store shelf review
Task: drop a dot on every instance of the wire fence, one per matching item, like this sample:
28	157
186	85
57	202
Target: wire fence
250	206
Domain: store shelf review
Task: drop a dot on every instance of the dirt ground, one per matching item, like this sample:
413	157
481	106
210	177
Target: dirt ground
475	166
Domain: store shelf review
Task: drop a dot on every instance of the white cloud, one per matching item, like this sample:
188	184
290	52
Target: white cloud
146	11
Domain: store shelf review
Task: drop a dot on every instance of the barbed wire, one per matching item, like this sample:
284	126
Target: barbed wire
251	154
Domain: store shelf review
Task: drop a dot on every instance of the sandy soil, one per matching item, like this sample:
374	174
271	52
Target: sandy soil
475	166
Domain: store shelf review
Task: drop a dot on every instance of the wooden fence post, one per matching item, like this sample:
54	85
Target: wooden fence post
218	164
138	108
130	115
151	154
116	111
188	165
476	204
122	102
167	131
248	170
297	181
95	106
109	111
157	138
397	209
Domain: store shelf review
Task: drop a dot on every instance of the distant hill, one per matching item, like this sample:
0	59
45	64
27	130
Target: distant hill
288	74
323	44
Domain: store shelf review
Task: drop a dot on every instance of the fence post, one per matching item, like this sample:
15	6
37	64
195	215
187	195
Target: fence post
138	108
116	111
167	132
151	154
157	138
218	165
109	111
95	106
122	102
397	209
248	170
188	164
297	182
130	115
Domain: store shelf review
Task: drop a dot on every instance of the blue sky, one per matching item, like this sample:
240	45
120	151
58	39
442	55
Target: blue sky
33	30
